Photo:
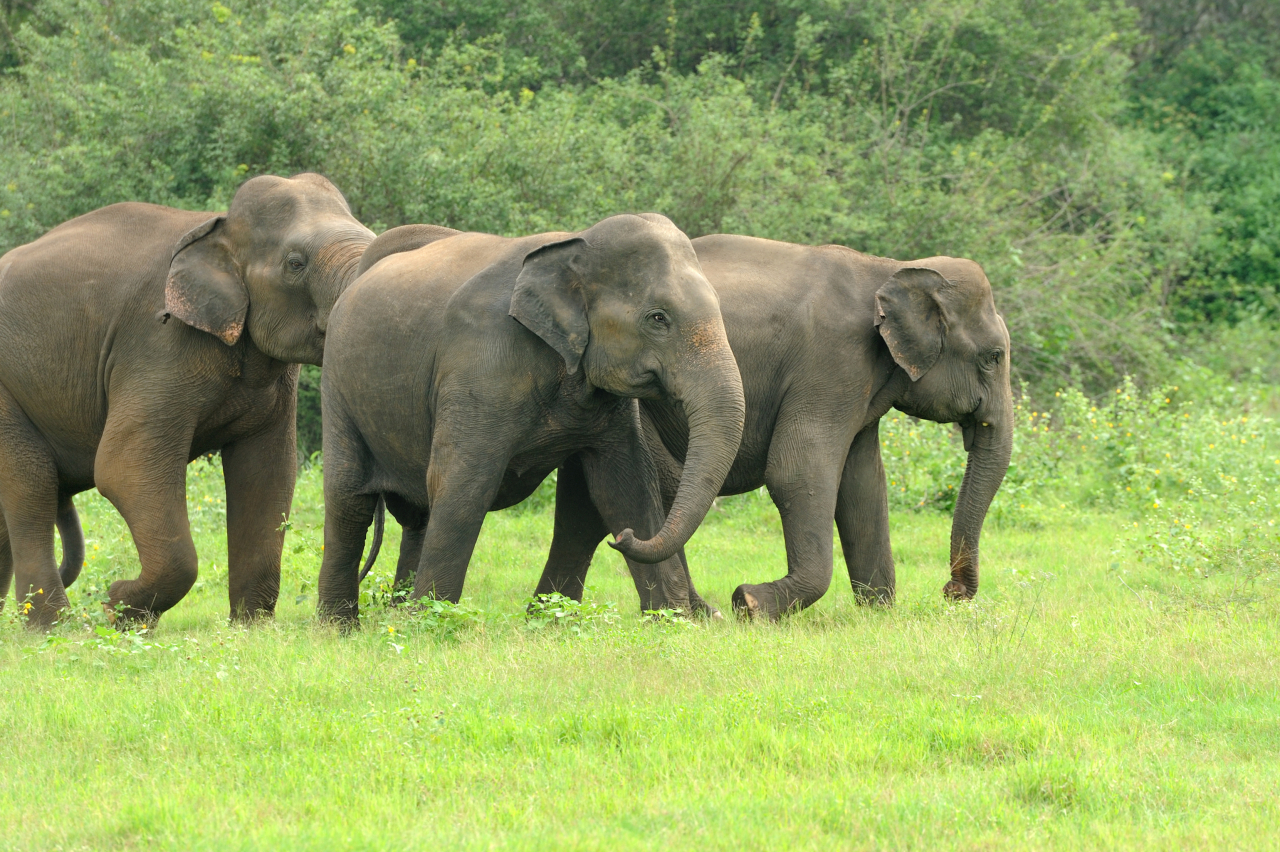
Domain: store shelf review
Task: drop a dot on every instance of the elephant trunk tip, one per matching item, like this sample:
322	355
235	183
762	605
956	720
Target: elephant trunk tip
647	551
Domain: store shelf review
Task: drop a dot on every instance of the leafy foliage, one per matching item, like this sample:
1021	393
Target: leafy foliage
1196	479
1113	167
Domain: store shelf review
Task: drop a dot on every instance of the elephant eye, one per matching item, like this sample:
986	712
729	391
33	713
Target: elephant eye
992	359
296	263
660	318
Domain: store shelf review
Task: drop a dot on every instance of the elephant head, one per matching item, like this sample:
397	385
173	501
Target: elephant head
273	265
940	323
626	303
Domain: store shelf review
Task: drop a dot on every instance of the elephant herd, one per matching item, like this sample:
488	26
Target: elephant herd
460	369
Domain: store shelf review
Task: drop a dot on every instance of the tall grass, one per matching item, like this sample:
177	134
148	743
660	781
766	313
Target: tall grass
1097	694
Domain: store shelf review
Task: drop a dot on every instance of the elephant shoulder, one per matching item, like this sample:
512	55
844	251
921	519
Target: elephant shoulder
124	233
128	218
121	247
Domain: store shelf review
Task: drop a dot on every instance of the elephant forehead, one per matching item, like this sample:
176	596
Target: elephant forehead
964	273
282	201
629	235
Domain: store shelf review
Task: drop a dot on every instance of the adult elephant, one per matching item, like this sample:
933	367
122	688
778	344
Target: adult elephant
461	373
138	337
828	340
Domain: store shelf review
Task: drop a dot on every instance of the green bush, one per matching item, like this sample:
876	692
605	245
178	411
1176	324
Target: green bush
1115	179
1196	471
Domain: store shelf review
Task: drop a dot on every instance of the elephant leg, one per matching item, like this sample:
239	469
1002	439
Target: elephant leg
803	480
413	524
862	517
578	531
141	468
696	600
463	479
411	540
259	473
669	473
29	503
623	485
6	561
348	512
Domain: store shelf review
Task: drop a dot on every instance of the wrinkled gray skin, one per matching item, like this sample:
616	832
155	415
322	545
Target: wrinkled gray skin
136	338
828	340
461	373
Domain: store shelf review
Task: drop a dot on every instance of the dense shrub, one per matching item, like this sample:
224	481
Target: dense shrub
1195	466
1115	206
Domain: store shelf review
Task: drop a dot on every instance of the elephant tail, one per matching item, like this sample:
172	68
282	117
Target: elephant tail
379	522
68	523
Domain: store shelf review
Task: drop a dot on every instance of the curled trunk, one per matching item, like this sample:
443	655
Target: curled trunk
714	405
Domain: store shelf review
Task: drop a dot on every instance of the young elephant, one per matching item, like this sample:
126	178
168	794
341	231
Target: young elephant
461	373
137	337
828	340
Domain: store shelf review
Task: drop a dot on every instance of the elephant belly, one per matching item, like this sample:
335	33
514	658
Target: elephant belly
239	414
516	487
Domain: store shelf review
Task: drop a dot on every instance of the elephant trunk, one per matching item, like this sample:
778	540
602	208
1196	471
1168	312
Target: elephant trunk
340	258
988	438
714	405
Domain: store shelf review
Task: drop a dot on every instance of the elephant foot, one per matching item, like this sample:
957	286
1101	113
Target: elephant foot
127	606
244	616
44	615
344	616
868	596
954	590
706	610
125	618
751	606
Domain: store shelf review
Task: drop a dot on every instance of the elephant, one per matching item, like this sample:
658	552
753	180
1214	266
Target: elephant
828	340
461	373
136	338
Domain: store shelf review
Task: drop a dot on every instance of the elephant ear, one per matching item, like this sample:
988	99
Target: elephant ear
910	319
548	300
204	288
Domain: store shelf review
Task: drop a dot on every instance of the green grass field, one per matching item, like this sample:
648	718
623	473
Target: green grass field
1086	699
